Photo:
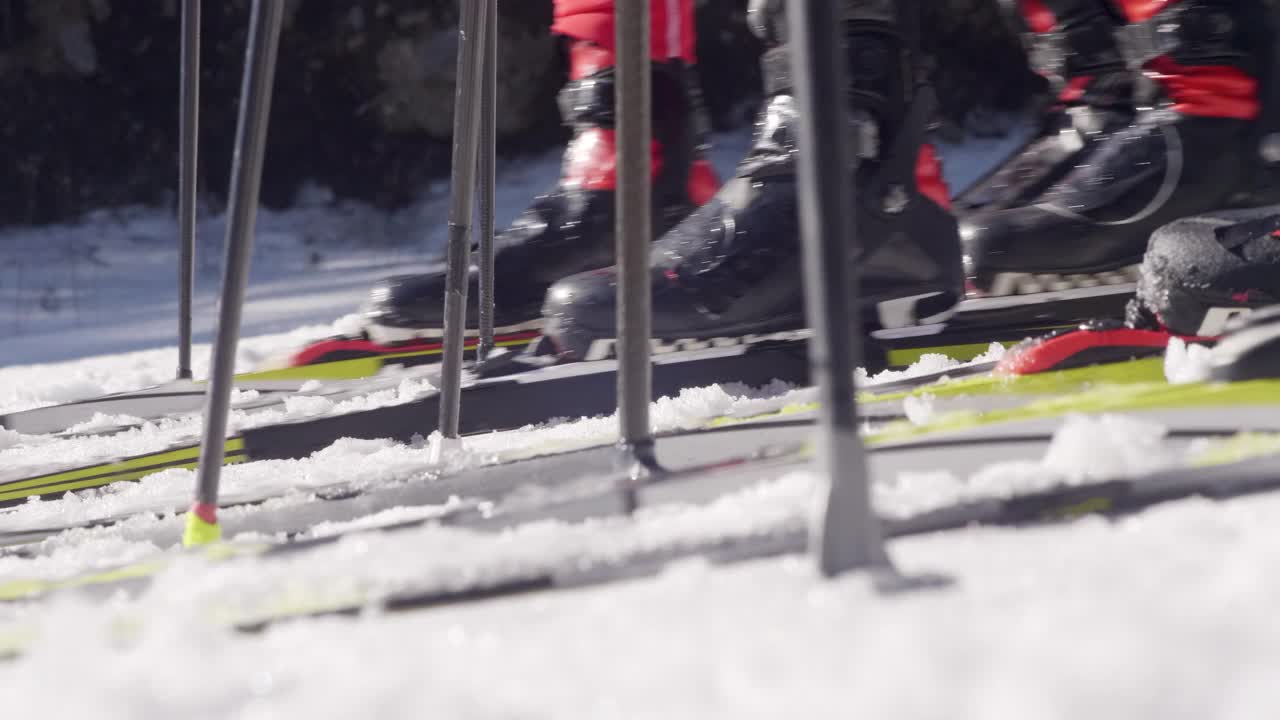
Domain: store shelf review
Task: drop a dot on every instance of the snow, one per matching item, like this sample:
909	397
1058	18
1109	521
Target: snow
1097	618
931	364
1084	449
1186	362
348	462
918	408
1164	614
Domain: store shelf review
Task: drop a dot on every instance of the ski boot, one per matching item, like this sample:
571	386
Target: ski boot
1075	50
731	271
1163	116
1200	273
1250	349
567	230
1199	276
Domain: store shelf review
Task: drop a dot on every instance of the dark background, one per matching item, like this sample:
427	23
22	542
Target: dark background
364	93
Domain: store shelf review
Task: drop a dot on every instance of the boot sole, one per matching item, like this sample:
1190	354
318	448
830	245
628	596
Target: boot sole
390	335
1012	284
927	308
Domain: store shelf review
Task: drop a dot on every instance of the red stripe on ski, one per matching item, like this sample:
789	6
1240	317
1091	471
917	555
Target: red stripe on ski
1050	353
367	348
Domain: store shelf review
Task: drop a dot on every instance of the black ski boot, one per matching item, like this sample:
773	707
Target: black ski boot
569	229
1199	276
1162	119
1202	272
731	271
1075	50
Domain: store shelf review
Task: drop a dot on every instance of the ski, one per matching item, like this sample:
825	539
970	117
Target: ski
1239	465
985	409
969	333
588	388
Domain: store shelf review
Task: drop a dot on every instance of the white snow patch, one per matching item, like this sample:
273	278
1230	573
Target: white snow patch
350	324
104	421
381	519
929	364
1083	449
1091	448
1186	362
239	397
919	409
307	405
10	438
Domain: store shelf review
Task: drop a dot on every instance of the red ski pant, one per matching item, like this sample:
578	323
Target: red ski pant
671	25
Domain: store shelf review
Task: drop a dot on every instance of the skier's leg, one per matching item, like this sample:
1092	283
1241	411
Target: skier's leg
570	228
732	267
1071	43
671	28
1201	271
1189	142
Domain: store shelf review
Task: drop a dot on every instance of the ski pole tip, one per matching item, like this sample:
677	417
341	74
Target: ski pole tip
202	526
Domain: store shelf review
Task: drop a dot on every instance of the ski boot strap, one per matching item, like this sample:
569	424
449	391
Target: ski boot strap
1200	32
589	101
679	119
882	87
1082	46
1195	32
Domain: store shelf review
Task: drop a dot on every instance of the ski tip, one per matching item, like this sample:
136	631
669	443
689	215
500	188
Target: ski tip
202	526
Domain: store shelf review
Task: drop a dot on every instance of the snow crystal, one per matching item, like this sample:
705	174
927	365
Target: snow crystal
239	396
919	409
103	421
1092	448
929	364
351	324
380	520
9	438
1083	449
306	405
1186	362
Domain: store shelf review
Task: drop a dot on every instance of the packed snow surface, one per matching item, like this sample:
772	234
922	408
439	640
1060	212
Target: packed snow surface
1161	615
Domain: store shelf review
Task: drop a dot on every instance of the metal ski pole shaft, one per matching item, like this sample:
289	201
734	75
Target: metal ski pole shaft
488	151
246	179
846	534
633	228
461	205
187	177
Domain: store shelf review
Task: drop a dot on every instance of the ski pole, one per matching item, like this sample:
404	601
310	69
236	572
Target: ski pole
246	178
187	177
488	150
846	534
633	229
462	192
